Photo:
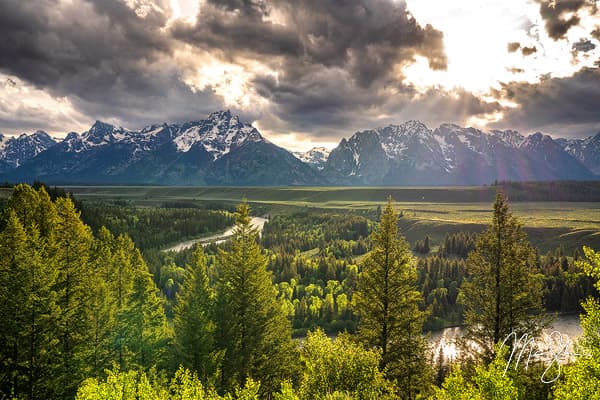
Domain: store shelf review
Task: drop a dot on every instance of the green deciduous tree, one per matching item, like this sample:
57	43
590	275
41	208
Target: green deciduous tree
140	385
503	292
252	327
340	366
581	380
488	383
387	302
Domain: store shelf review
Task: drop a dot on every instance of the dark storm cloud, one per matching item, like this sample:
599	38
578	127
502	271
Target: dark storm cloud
338	64
567	106
70	46
110	62
326	104
336	60
554	13
584	45
367	38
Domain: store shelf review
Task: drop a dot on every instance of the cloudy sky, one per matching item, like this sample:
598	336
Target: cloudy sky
305	72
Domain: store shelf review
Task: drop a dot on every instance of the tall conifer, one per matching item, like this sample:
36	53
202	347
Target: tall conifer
252	328
194	324
503	292
387	302
147	335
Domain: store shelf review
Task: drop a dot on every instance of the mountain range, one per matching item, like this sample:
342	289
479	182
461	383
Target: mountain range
223	150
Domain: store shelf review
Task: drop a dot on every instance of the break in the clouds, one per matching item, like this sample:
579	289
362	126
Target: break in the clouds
305	71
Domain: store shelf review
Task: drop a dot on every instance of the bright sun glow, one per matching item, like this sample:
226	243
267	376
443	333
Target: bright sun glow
185	10
476	37
227	81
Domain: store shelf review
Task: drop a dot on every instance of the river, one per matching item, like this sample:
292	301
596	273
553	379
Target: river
567	325
257	222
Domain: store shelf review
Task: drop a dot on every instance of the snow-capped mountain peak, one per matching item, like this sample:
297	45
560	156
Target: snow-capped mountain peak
224	149
509	137
16	150
451	154
221	133
537	140
3	141
586	150
102	133
218	150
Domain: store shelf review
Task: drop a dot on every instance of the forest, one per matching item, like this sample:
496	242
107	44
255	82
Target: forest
322	304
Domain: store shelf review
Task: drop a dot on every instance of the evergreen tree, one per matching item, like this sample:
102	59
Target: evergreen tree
28	313
252	328
72	243
102	311
42	313
146	334
387	302
13	294
426	247
119	276
503	292
194	324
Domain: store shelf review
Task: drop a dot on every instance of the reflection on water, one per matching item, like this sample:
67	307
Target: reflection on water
256	222
444	341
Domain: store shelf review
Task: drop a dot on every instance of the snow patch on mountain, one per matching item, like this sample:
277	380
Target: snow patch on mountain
16	150
317	156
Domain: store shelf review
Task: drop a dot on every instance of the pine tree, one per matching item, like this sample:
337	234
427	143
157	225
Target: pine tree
28	313
102	311
13	295
503	292
387	302
426	247
252	328
120	273
42	314
72	242
24	202
146	333
194	324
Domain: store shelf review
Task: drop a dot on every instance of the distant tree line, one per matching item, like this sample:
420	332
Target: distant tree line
587	191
